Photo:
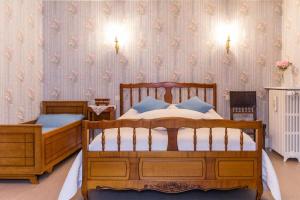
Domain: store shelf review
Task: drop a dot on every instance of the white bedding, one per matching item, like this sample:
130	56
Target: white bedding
159	143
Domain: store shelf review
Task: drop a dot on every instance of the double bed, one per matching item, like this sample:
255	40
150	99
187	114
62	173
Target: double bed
30	149
170	150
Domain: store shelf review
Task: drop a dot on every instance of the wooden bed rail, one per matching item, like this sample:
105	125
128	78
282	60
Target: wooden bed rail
172	125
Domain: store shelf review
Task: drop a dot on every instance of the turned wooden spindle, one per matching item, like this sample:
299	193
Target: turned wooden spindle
140	95
103	140
226	139
147	91
119	139
210	139
180	97
195	139
131	98
134	139
241	140
150	140
155	93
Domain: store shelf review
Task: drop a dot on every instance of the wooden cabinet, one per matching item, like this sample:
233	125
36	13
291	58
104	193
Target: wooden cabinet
284	121
107	114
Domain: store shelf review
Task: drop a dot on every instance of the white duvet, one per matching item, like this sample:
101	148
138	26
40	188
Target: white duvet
159	143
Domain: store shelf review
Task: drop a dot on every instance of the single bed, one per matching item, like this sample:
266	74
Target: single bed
28	149
170	150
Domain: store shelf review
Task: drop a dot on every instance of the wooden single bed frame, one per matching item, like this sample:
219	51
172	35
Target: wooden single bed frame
25	152
172	171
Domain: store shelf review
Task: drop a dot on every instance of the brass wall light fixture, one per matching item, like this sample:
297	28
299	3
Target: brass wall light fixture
117	46
117	35
227	35
228	44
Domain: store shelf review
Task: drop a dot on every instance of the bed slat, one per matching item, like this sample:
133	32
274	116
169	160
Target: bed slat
103	140
210	139
195	139
241	140
119	139
134	139
226	139
180	97
140	95
131	97
150	140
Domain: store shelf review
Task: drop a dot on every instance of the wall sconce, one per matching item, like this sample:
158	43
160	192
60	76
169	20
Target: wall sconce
116	34
117	46
228	44
227	34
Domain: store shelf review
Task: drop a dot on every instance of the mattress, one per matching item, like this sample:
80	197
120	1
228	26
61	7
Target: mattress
46	130
57	120
51	122
185	135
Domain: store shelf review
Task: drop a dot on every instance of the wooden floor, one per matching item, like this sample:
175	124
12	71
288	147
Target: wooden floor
49	187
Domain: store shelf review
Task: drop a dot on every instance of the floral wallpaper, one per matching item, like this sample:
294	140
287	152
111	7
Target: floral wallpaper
21	72
169	41
291	35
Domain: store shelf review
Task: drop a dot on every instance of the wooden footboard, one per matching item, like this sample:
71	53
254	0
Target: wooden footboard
172	171
20	151
25	152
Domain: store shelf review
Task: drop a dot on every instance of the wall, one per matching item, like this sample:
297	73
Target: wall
291	35
170	41
20	60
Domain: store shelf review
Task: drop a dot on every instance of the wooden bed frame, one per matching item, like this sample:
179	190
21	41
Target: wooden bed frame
25	152
172	171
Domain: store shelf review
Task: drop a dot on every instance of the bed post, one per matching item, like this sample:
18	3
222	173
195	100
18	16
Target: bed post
259	144
85	136
121	100
215	96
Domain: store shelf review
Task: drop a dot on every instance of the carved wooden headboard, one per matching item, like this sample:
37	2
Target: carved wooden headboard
169	87
61	107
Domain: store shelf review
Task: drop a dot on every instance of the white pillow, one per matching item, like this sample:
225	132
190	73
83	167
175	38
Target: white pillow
161	113
172	106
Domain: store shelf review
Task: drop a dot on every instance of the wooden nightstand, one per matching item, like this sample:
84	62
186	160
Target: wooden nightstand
244	102
108	114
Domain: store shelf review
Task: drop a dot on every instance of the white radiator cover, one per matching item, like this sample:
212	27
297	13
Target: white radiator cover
284	122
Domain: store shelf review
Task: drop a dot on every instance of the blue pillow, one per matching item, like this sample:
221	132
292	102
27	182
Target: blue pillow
149	103
57	120
195	104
